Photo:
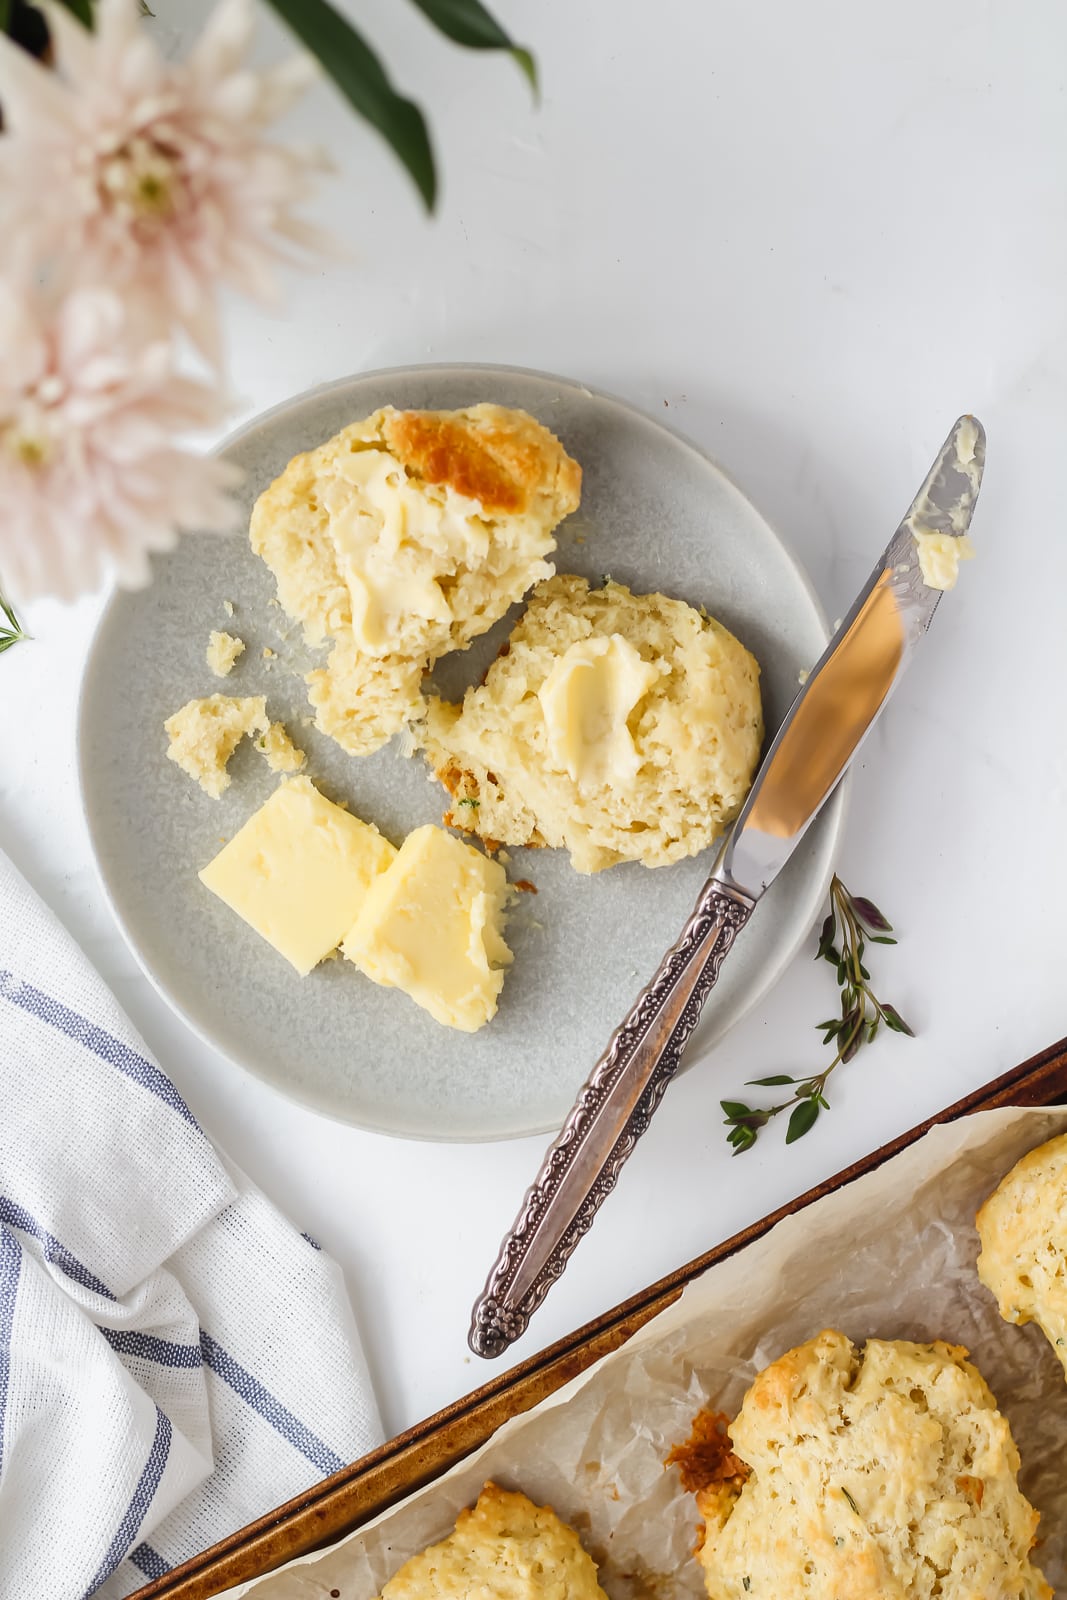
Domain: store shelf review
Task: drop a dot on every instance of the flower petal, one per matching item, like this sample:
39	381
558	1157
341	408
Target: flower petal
224	39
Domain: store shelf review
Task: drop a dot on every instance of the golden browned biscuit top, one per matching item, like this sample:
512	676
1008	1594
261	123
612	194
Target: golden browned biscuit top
886	1475
502	1548
1023	1229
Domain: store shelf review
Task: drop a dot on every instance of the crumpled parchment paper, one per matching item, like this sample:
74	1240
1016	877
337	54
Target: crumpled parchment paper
890	1256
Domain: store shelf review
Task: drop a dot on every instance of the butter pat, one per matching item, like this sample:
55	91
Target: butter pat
940	555
298	872
586	699
431	927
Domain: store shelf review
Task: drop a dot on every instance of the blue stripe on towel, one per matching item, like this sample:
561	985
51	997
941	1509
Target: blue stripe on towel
103	1044
128	1342
271	1409
16	1217
149	1561
10	1264
137	1509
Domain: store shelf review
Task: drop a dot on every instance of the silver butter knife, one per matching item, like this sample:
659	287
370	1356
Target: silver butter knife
824	728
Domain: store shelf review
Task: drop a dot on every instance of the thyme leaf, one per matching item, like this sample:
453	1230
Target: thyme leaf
852	922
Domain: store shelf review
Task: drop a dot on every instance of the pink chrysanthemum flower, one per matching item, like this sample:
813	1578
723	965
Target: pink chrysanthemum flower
91	478
154	177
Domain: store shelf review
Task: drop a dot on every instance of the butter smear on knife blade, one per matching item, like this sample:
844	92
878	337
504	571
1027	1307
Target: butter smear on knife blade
940	550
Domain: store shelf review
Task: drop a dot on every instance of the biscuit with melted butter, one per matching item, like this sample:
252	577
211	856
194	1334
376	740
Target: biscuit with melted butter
402	538
618	726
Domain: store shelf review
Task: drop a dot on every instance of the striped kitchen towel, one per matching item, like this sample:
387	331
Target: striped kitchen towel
175	1357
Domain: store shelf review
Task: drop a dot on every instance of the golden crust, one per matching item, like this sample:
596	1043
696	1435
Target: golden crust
889	1475
502	1548
1023	1230
498	457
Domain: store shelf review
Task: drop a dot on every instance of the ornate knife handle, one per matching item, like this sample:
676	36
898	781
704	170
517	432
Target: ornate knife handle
610	1115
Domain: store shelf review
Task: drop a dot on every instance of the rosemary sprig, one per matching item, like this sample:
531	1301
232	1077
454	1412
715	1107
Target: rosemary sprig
852	922
11	631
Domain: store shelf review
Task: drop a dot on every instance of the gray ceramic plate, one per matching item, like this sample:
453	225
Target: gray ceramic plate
656	514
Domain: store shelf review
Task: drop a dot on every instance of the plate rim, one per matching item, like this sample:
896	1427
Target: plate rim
836	807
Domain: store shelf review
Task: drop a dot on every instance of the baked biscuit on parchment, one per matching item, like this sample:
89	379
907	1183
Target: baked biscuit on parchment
1023	1229
503	1548
886	1475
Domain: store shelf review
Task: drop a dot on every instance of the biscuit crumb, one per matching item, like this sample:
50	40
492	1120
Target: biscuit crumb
281	753
222	652
205	733
707	1456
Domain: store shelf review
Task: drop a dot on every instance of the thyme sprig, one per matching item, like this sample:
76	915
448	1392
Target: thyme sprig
11	630
852	923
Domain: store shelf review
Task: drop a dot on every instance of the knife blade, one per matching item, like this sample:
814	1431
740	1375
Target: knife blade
824	728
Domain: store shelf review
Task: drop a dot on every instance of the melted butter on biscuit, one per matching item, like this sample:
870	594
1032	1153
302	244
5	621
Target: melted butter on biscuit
393	548
587	699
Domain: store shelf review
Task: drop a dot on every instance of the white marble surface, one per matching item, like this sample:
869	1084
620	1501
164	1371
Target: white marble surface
810	235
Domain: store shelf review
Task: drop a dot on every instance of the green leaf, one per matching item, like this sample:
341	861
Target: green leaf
742	1139
735	1109
802	1120
773	1082
894	1020
82	9
881	938
5	15
362	79
467	22
13	633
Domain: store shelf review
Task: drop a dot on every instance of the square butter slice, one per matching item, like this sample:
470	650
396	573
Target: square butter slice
430	925
298	872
